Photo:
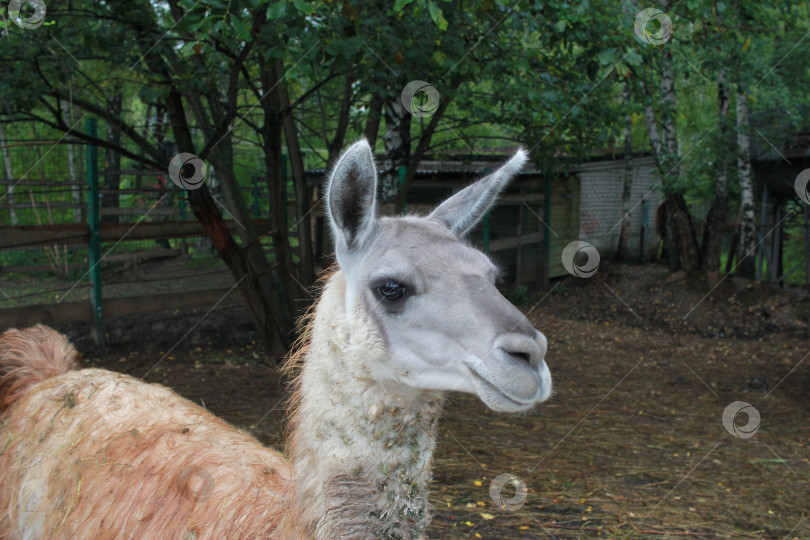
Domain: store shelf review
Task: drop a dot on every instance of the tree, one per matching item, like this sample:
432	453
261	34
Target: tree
718	211
748	227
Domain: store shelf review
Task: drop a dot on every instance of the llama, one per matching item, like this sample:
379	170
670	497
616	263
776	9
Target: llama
411	313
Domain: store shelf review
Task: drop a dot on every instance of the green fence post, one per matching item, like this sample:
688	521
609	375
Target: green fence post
402	171
93	222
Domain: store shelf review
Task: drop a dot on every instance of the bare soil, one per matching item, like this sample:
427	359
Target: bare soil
632	444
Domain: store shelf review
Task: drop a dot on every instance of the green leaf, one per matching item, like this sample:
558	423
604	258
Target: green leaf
400	4
437	16
607	56
276	11
633	58
559	26
306	8
239	27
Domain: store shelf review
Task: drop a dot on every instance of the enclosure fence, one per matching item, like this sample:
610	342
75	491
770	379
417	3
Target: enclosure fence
84	241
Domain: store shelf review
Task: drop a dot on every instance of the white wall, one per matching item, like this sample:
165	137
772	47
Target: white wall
600	204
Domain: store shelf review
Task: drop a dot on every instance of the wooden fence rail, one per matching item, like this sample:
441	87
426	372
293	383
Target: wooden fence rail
82	310
16	236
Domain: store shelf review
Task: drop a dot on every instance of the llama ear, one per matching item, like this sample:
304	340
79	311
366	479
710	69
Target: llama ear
463	210
351	197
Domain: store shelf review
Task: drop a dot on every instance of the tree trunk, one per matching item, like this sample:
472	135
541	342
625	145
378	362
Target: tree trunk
272	137
678	228
336	144
112	159
251	281
718	211
8	175
271	310
623	249
748	229
247	262
373	120
397	139
306	265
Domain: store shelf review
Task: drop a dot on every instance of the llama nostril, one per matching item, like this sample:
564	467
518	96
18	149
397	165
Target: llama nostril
526	357
521	348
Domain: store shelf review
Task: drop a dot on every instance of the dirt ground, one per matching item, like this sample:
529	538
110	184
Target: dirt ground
632	444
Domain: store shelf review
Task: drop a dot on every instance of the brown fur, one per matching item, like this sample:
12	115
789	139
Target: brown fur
30	356
96	454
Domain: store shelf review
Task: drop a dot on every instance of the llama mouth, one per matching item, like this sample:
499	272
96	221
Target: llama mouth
487	391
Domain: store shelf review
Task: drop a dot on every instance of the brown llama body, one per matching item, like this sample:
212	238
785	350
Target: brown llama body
96	454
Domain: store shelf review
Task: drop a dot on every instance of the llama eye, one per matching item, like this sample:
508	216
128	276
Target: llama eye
390	291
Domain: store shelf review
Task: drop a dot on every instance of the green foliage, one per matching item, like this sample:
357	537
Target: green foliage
548	75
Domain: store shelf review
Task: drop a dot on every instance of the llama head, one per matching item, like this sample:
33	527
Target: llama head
432	296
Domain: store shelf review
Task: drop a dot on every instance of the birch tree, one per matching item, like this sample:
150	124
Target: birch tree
748	228
679	233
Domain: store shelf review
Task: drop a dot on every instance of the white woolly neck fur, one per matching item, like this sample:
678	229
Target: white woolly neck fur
361	448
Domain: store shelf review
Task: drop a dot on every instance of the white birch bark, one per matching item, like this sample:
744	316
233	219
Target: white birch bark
748	230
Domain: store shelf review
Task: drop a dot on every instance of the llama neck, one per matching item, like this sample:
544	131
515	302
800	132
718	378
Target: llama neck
361	448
